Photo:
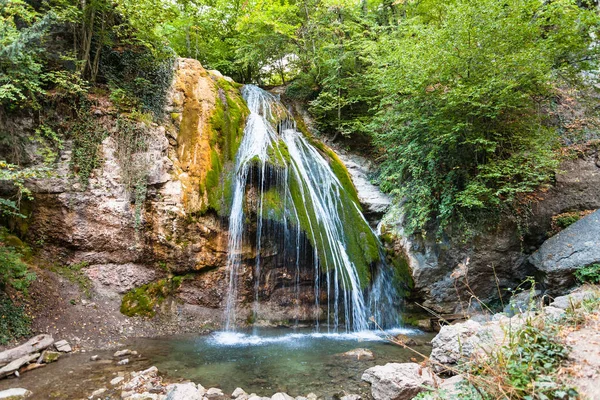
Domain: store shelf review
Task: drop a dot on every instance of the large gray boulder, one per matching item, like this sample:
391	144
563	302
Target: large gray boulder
563	254
395	381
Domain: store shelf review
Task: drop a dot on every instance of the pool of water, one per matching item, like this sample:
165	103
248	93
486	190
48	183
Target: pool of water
297	362
277	360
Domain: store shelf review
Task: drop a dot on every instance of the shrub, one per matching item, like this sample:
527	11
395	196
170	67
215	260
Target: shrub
14	323
590	274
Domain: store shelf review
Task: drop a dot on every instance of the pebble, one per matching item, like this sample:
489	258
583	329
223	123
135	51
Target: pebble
122	353
117	380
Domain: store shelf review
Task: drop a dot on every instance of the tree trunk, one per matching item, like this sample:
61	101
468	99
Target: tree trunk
34	345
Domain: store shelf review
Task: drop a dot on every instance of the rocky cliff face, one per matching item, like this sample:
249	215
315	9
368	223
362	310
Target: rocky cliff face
173	242
447	273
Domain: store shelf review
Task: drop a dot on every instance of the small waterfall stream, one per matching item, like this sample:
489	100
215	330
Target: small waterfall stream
296	187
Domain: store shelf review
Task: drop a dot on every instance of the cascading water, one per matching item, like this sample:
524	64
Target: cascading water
297	189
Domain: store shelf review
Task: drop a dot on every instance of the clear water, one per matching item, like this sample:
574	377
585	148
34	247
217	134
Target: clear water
278	360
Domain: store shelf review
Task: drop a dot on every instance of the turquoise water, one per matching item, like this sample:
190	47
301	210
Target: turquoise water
274	360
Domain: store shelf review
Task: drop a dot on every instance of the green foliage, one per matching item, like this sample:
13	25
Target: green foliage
460	116
21	64
16	176
143	300
138	78
589	274
14	322
14	272
87	134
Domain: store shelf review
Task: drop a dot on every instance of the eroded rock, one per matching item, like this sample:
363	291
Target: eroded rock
395	381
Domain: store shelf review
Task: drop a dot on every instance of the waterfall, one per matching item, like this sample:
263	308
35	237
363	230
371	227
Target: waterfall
297	189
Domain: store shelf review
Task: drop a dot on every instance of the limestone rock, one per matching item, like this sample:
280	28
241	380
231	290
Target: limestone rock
351	397
184	391
124	361
554	313
564	253
238	392
63	346
15	394
455	342
98	393
281	396
117	380
214	394
451	386
122	353
574	299
395	381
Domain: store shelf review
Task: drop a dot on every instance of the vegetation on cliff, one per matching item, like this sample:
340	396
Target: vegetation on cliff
456	98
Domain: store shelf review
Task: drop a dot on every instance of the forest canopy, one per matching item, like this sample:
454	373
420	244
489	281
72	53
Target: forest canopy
455	97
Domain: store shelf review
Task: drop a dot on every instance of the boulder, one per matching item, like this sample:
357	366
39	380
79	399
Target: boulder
238	392
184	391
122	353
214	394
49	356
63	346
567	251
455	342
15	394
451	386
395	381
574	299
282	396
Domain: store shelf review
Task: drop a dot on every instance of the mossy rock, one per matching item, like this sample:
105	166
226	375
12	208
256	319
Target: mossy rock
143	300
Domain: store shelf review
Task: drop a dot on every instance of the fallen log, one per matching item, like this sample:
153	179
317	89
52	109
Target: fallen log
16	364
33	345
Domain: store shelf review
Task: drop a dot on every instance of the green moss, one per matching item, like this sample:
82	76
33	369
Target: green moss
143	300
337	166
175	116
361	243
226	131
273	205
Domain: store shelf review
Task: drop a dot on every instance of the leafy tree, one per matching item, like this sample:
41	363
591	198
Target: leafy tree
463	89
